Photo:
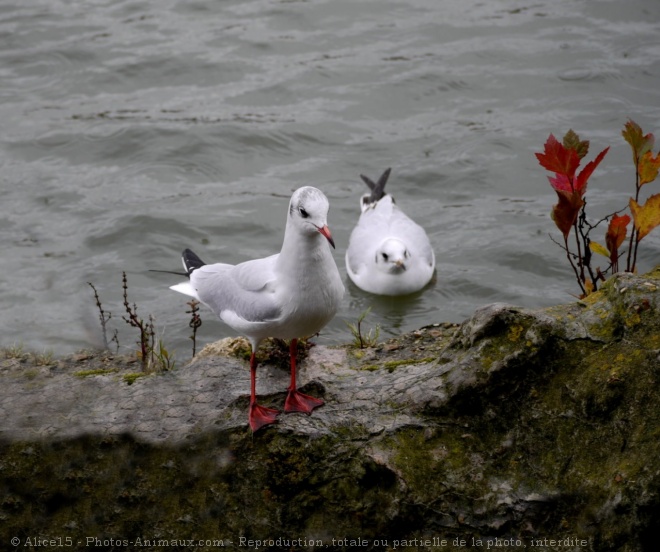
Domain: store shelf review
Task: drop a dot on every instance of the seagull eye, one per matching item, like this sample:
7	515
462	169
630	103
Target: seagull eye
303	213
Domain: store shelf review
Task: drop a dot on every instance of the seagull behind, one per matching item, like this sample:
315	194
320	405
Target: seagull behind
388	253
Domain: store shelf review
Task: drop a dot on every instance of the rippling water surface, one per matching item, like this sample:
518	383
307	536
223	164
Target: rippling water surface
133	129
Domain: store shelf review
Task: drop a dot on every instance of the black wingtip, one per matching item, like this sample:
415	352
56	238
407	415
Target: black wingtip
169	272
191	261
378	188
368	182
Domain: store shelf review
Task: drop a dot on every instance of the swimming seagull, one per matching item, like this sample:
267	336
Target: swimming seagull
288	295
388	253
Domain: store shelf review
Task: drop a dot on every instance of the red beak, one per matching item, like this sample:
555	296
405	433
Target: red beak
328	236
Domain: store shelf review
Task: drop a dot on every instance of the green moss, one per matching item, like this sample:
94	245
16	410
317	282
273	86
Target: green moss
370	367
31	373
414	457
582	418
130	378
515	332
499	345
95	372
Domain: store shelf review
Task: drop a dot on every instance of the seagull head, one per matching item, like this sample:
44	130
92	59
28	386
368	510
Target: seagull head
308	212
392	256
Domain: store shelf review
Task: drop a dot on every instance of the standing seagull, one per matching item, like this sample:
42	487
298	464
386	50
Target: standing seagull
388	253
288	295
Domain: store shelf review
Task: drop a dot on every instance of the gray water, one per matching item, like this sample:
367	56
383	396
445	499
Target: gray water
133	129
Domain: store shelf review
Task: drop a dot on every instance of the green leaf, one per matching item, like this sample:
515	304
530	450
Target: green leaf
572	141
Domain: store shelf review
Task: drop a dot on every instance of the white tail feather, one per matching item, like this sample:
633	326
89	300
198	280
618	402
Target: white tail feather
186	289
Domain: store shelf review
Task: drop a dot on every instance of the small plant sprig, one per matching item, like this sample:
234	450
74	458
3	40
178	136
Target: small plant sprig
16	351
195	322
360	340
44	359
146	329
161	358
569	214
152	352
563	158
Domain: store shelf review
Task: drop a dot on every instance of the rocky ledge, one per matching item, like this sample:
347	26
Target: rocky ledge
518	428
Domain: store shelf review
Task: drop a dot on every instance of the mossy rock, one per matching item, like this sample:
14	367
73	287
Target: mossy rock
518	427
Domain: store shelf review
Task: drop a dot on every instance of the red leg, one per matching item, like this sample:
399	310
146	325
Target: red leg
295	400
258	415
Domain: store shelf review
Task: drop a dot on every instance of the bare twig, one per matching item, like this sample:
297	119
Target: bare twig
634	242
561	246
575	269
584	234
115	338
195	322
102	317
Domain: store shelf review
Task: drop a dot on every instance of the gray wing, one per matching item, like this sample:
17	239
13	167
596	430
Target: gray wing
354	258
365	237
412	234
245	289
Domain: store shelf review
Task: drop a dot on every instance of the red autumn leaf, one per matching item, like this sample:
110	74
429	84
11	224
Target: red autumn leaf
648	168
583	177
639	143
556	158
616	234
566	212
646	216
564	160
560	183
